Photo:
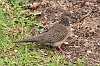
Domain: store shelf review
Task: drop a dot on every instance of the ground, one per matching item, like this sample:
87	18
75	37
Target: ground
83	44
85	24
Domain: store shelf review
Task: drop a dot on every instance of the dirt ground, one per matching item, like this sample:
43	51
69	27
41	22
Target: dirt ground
85	25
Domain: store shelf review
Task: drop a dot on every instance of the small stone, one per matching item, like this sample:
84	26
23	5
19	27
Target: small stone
89	51
16	50
99	44
37	13
34	5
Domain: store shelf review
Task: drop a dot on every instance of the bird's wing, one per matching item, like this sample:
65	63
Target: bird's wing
58	33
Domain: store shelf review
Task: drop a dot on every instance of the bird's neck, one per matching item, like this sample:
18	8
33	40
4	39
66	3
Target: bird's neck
64	21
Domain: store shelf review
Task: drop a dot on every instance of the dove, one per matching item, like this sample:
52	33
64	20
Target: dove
55	36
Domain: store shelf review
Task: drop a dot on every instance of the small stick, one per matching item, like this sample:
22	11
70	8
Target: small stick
86	15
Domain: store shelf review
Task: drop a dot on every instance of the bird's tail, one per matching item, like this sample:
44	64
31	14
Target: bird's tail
26	40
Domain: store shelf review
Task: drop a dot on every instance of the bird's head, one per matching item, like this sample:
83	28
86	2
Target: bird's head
66	19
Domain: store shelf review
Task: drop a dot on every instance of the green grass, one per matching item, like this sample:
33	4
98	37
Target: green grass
15	25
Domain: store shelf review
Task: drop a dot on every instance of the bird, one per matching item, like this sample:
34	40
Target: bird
55	36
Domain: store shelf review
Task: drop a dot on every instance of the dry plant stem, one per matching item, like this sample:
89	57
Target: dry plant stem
86	15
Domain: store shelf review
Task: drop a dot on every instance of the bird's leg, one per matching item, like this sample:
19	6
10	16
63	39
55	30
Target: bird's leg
62	50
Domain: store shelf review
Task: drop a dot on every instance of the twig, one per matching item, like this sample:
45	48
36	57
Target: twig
86	15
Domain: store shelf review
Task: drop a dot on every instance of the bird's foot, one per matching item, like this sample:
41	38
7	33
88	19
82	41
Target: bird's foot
62	51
